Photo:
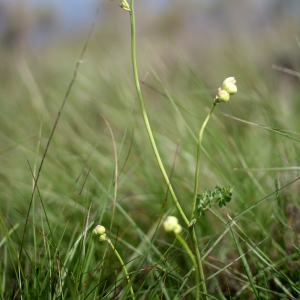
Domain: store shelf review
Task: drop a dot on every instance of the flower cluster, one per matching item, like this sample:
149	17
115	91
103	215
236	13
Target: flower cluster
171	225
228	88
99	230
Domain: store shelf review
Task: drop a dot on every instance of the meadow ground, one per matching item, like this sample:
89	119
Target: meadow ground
100	168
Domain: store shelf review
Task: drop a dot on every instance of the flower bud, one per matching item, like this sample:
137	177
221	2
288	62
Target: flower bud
171	225
102	237
99	230
125	5
222	96
229	86
177	229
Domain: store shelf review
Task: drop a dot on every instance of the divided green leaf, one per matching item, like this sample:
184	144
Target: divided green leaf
210	197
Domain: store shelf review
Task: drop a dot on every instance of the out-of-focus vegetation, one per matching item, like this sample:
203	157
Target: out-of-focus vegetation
252	142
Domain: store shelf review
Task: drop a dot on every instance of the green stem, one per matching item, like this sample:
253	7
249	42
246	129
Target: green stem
200	136
191	227
188	250
198	263
123	266
199	269
146	121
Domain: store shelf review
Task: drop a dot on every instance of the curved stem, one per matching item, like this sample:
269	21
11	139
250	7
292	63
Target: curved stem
200	136
123	266
198	264
146	121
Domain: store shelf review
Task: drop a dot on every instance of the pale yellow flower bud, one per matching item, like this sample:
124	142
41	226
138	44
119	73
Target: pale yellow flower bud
102	237
177	229
222	95
125	5
99	230
229	86
171	225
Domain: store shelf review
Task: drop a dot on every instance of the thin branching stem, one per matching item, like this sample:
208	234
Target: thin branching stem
192	229
199	144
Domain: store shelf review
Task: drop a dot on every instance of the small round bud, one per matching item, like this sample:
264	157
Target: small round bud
222	95
99	230
177	229
102	237
229	85
171	225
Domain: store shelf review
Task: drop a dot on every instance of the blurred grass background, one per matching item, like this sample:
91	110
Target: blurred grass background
191	46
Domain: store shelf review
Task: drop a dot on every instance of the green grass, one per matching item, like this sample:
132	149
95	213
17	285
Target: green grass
251	142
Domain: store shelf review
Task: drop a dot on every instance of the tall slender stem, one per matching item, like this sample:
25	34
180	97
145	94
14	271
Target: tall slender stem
186	247
192	229
123	266
148	127
200	136
199	266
